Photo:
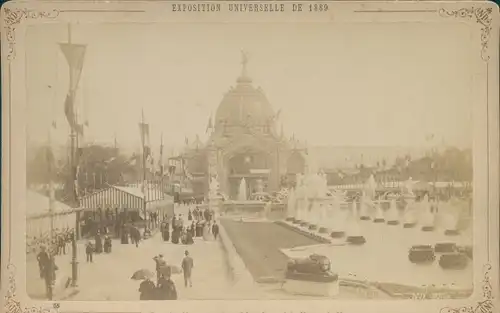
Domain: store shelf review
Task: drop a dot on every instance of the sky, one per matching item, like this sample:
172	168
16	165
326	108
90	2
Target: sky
336	84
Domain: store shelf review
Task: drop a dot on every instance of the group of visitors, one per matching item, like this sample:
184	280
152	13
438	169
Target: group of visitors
198	215
180	233
57	243
100	245
164	289
185	234
131	233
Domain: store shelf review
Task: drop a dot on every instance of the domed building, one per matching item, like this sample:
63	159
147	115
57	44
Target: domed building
244	144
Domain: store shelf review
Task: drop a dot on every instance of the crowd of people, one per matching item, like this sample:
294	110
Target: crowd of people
57	244
99	246
164	288
199	224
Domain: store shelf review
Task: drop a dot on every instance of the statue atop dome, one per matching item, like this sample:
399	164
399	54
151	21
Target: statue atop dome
244	78
244	62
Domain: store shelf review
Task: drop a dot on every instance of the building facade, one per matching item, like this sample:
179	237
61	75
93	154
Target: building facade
244	144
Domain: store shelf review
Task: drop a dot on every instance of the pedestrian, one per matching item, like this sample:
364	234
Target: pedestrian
98	243
166	288
89	250
43	260
193	230
166	232
50	277
147	290
107	244
187	268
190	215
61	244
124	235
189	237
175	235
159	264
135	234
215	230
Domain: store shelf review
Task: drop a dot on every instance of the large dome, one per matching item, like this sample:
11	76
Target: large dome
244	105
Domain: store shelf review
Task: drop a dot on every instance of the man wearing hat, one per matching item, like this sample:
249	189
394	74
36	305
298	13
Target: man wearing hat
187	268
160	263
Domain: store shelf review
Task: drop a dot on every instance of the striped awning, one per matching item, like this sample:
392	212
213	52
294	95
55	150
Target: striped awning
112	198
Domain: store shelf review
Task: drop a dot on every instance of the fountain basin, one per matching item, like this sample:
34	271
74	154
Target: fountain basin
421	254
356	240
409	225
323	230
455	261
451	232
312	227
445	247
337	234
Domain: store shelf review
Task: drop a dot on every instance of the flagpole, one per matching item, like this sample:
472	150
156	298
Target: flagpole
144	204
51	212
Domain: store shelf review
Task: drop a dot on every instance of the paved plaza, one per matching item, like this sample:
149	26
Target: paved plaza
109	277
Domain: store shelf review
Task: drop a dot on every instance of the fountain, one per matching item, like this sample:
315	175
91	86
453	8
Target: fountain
410	219
213	195
450	222
393	214
370	187
338	220
427	219
323	221
379	215
291	206
364	204
354	235
242	193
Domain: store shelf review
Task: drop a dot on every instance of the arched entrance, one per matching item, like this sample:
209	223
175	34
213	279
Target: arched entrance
250	164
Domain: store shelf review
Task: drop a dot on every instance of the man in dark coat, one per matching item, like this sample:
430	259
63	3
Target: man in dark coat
187	267
215	230
124	235
50	277
43	261
190	215
89	250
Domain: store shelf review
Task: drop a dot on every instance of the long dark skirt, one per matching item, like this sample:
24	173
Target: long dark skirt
166	235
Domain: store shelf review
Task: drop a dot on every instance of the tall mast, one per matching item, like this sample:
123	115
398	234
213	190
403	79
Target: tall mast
161	166
144	177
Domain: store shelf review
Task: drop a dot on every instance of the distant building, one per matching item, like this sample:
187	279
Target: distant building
244	144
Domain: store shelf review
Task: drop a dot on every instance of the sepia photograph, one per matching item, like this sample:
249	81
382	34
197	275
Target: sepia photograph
210	160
